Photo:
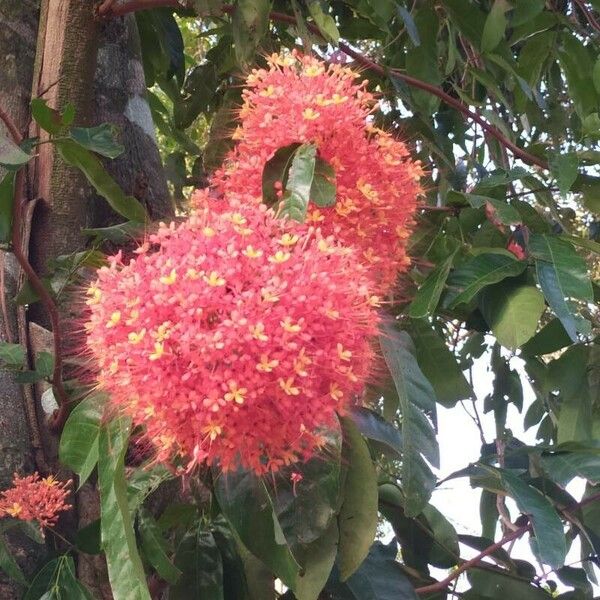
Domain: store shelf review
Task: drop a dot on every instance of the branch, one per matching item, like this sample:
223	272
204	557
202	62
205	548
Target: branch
469	564
474	562
35	281
588	15
134	5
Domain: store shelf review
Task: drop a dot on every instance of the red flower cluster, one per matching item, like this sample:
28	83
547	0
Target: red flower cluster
299	99
234	337
35	499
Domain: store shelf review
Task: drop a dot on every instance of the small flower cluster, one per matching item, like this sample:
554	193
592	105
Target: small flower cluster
234	337
33	498
299	99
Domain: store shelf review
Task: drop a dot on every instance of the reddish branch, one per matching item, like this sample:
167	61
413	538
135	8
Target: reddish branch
123	8
35	281
588	15
509	537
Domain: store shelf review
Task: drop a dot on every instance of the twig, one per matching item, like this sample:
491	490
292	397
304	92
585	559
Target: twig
588	15
509	537
135	5
36	282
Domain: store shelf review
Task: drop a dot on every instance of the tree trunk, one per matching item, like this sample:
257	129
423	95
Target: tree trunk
66	55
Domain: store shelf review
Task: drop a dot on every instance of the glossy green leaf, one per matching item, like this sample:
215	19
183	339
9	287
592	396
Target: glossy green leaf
547	526
357	519
57	580
250	24
125	570
143	481
276	171
512	310
323	189
411	27
47	118
428	295
422	60
7	197
562	274
199	560
305	509
248	507
299	183
439	365
498	210
12	354
563	467
11	155
376	428
488	585
154	548
564	168
550	338
103	183
78	447
8	564
325	22
416	399
495	25
467	280
100	139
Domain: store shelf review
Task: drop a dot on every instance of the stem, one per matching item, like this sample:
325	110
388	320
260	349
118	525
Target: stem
588	15
126	7
36	283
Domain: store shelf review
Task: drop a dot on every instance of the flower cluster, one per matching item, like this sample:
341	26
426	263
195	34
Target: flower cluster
234	337
299	99
33	498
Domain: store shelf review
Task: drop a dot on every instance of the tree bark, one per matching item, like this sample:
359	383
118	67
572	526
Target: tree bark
62	52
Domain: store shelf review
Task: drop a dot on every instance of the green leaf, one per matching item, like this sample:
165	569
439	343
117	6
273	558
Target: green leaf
199	560
7	198
501	211
380	577
78	447
525	10
318	559
103	183
12	354
248	507
489	585
11	155
468	279
563	467
550	338
47	118
562	274
154	548
57	580
125	570
249	25
299	183
117	234
88	540
428	295
306	509
422	60
276	171
376	428
549	535
418	437
564	167
142	482
512	310
411	27
100	139
439	365
357	519
8	564
323	190
495	25
324	21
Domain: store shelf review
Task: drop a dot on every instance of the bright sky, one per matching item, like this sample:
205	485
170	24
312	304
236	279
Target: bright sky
460	444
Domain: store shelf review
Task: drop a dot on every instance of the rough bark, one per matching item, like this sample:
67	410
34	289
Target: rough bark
66	55
18	28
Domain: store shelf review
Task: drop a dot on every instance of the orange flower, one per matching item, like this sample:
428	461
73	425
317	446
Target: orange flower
35	499
377	182
237	366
